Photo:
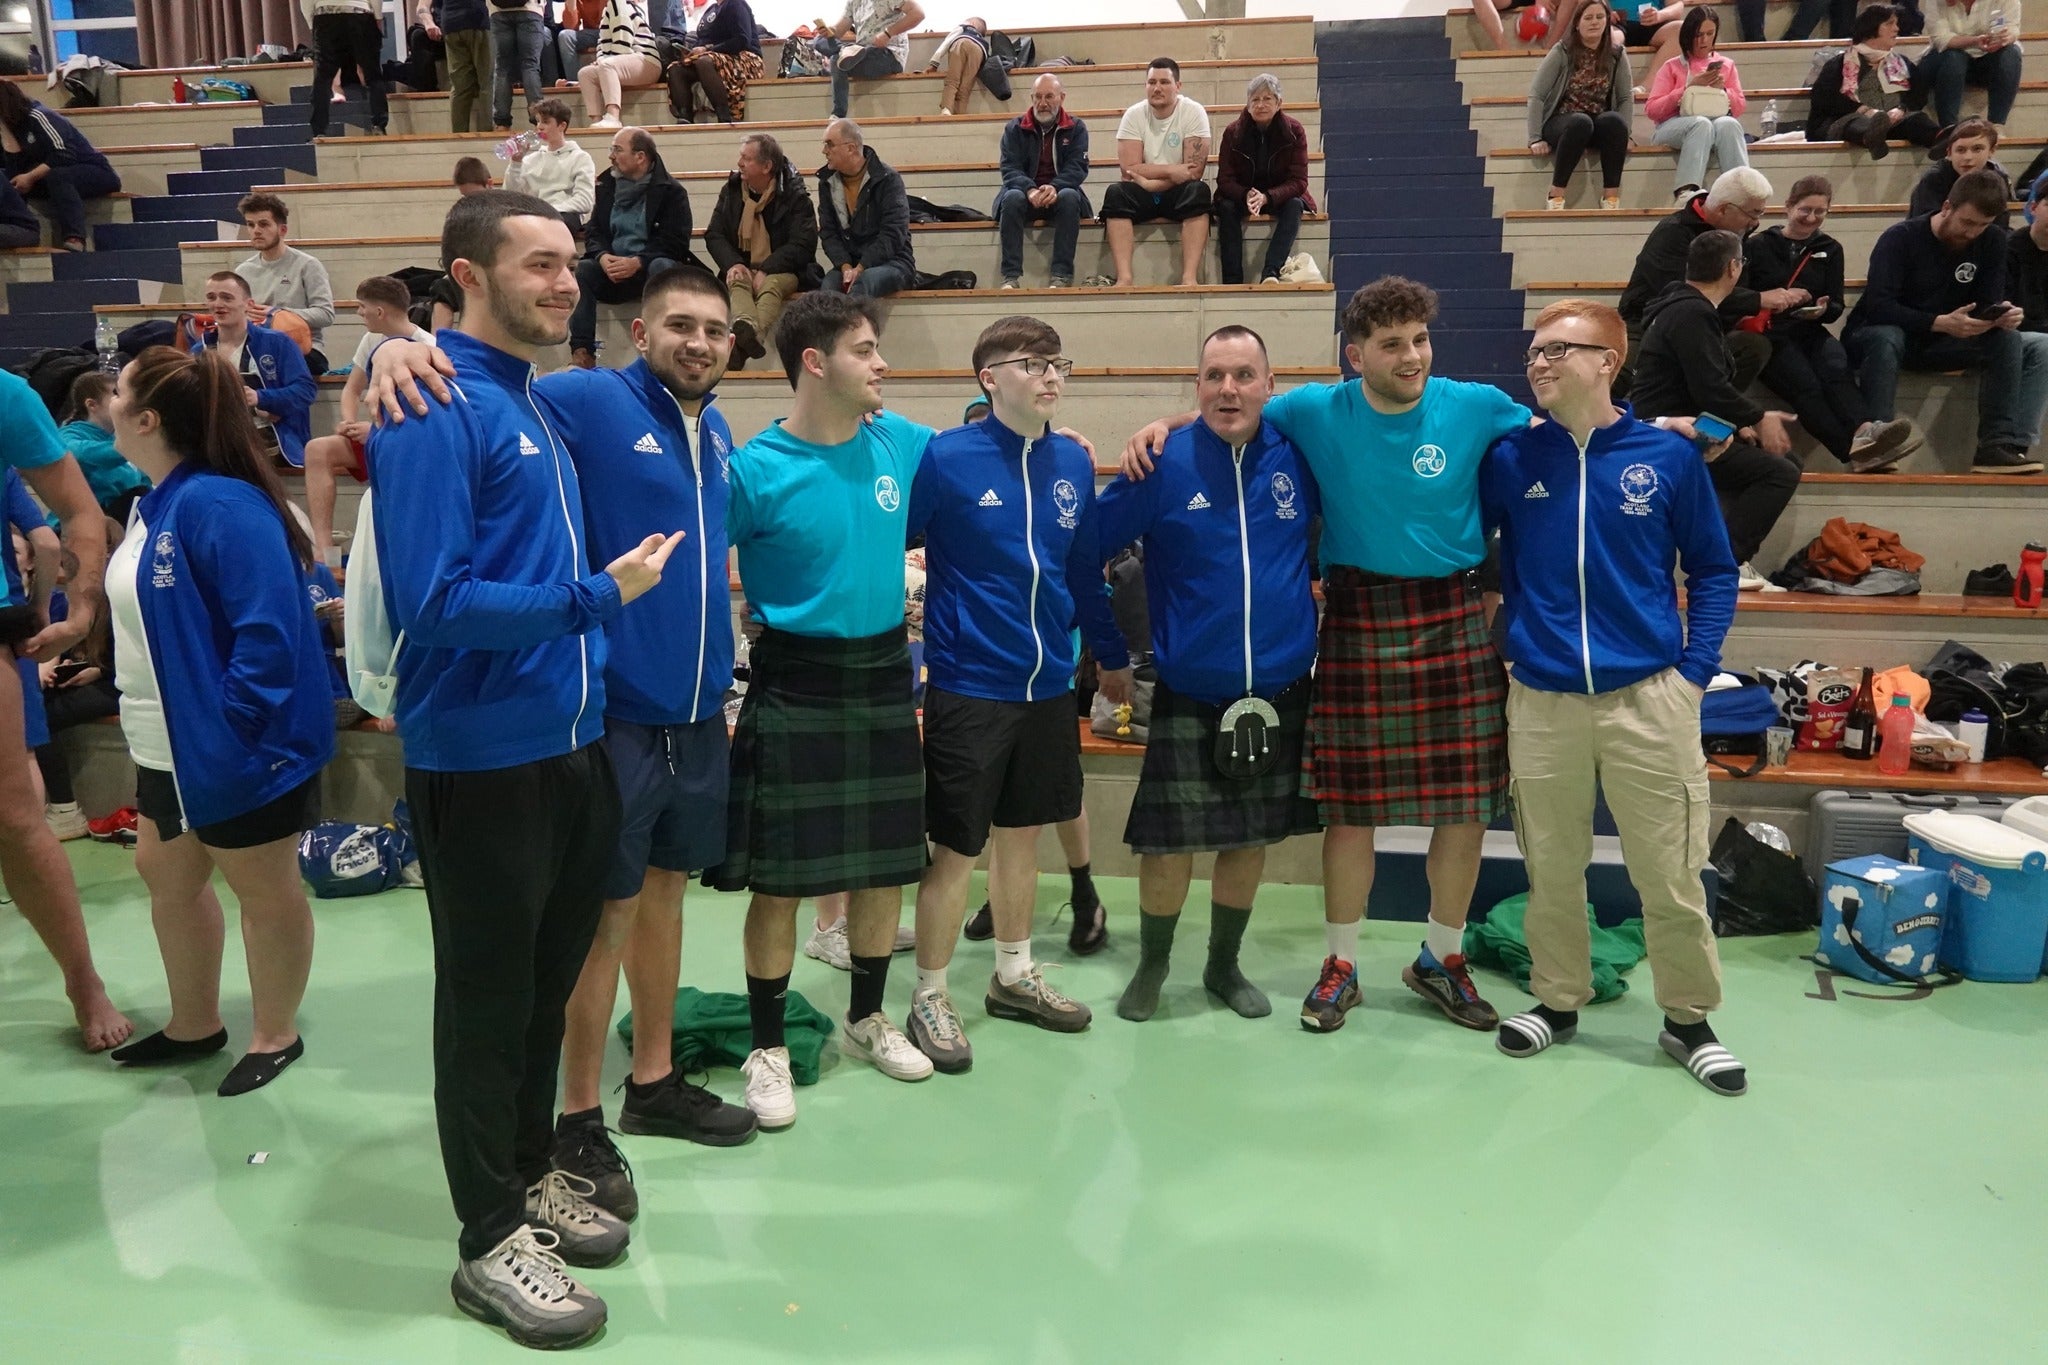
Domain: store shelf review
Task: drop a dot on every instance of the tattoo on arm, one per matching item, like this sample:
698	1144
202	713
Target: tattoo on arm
1195	154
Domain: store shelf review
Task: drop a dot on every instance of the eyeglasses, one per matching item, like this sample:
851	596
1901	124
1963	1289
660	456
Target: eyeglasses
1037	365
1554	351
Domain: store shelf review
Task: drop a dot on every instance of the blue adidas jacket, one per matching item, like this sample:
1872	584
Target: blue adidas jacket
670	658
1587	540
480	539
288	389
232	644
1012	563
1226	561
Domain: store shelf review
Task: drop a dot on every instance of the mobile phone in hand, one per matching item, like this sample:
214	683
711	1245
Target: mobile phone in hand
1712	430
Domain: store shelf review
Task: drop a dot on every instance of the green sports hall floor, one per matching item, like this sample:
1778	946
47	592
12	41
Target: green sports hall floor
1200	1188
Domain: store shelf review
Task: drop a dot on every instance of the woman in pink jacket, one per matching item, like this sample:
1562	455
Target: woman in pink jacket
1695	101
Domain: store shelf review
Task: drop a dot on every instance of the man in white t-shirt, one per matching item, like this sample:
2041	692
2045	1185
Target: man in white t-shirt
383	304
1162	148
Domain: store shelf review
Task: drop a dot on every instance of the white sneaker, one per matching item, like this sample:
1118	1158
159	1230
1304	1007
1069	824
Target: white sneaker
67	821
771	1094
906	938
606	121
881	1044
829	946
1747	579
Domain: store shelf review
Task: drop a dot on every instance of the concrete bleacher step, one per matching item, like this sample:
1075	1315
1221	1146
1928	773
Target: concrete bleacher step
25	332
71	297
163	208
157	235
147	124
145	168
1959	522
151	263
1502	120
1777	630
339	112
272	135
214	182
271	161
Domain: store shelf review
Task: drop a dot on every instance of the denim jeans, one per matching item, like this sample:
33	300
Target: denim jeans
2012	376
874	282
1014	212
569	45
1695	137
595	287
1949	70
516	40
870	63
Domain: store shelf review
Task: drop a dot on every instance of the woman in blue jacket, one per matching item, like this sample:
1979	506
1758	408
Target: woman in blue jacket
225	704
48	158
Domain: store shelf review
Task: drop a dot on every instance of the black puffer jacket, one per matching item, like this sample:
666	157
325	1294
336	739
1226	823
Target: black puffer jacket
880	231
792	229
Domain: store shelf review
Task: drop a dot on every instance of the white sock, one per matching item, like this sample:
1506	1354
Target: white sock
932	979
1343	941
1444	941
1013	961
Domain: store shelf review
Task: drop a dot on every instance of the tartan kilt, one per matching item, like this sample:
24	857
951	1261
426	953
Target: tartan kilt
1408	725
827	770
1184	805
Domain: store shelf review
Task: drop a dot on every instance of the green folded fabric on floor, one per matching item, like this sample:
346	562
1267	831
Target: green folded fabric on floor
712	1029
1498	942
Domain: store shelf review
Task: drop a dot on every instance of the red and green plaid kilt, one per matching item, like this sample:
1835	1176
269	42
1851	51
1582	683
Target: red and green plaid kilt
827	770
1408	725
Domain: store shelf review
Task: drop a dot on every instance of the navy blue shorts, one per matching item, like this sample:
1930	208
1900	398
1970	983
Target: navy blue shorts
672	791
34	720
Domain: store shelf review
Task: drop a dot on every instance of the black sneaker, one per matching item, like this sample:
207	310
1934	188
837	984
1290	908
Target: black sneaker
679	1109
1090	934
981	925
1335	993
1994	580
1449	987
584	1148
2004	460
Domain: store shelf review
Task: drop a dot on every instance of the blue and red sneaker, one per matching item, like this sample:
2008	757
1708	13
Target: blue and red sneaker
1336	991
1448	986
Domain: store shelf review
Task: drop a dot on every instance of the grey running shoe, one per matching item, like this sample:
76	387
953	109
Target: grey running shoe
587	1235
522	1286
934	1029
1031	1001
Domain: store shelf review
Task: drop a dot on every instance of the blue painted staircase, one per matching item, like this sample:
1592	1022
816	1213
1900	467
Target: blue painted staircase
1407	192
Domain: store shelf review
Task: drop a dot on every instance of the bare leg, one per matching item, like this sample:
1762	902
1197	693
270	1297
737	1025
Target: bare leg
1454	852
654	968
1489	19
588	1017
1163	880
871	919
770	935
1236	878
1074	839
1194	240
941	904
1347	873
831	909
1120	234
277	935
190	932
1013	881
324	455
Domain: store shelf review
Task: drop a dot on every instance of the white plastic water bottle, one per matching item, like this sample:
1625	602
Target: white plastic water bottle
106	339
1769	121
519	145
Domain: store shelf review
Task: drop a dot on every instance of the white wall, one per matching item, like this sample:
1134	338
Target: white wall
780	16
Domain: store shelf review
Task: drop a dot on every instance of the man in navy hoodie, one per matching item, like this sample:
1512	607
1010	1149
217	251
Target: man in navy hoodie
480	540
1044	162
1225	521
1007	509
1605	680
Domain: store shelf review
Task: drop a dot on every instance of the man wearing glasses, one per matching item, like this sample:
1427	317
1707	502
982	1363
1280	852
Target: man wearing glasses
1007	508
1734	204
1594	507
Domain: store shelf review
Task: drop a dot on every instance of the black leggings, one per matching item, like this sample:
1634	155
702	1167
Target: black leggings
1810	370
66	708
1568	136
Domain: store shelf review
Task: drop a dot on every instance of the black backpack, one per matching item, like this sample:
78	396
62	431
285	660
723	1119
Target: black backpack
52	370
1010	53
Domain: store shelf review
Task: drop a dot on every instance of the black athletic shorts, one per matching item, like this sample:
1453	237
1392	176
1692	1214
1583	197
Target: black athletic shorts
672	792
1008	763
156	800
1127	200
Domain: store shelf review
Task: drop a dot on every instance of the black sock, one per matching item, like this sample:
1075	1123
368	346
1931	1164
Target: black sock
1155	951
582	1116
765	1005
1694	1036
870	980
636	1090
1084	896
1557	1019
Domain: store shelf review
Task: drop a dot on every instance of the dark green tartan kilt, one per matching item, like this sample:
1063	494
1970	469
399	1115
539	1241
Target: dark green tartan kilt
1184	805
827	770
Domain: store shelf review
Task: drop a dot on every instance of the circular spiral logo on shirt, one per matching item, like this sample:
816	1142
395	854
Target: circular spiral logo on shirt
888	496
1966	272
1283	492
1065	499
1639	483
1430	461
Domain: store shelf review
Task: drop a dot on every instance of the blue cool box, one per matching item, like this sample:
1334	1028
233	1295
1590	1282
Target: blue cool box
1897	908
1997	925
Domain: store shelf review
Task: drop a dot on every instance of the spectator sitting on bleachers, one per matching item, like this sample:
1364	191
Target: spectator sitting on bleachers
49	159
1735	204
1261	172
639	228
1972	42
383	305
964	54
277	386
763	238
284	279
471	176
1696	102
726	58
2026	273
19	225
1583	96
869	41
88	434
1840	14
1808	367
1858	96
1686	369
559	171
1162	149
582	24
1969	148
863	217
627	59
1935	300
464	26
1044	162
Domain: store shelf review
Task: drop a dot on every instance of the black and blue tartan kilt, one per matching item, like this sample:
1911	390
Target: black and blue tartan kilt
1184	805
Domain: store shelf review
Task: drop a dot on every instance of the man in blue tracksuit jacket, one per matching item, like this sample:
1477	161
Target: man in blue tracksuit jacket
1593	508
273	372
1225	521
1007	509
651	450
480	539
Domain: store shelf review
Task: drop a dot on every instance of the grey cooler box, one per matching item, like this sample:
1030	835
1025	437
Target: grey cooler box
1848	824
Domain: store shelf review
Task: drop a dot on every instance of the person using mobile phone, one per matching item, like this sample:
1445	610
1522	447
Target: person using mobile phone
1696	101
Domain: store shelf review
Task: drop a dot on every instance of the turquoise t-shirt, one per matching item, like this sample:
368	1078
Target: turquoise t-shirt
820	529
31	434
1400	494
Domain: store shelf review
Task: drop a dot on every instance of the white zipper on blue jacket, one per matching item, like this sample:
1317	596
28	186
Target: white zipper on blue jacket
703	551
1585	633
1031	550
1244	554
575	553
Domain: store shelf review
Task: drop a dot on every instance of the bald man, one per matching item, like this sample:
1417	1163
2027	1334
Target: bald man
639	227
1044	161
863	217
